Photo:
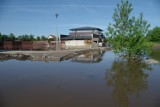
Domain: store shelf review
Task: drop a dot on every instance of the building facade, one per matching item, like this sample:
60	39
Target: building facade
84	36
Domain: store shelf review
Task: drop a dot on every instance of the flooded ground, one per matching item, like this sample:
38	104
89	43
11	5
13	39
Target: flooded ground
95	79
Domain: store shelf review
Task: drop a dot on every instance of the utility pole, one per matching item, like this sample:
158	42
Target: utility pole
57	37
57	48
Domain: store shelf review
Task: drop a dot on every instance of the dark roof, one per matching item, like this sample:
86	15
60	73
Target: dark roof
64	36
77	38
86	28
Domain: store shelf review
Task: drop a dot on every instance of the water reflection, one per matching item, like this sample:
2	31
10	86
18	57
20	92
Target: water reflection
126	78
91	57
2	103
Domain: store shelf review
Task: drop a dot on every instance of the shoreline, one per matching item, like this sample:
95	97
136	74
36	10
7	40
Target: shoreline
58	55
156	46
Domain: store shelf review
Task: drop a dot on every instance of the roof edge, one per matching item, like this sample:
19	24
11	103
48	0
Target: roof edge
86	28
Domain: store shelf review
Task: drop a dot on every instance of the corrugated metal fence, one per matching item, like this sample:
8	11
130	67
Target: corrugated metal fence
27	45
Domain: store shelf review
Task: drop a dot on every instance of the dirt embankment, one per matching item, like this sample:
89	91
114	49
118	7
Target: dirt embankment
156	46
46	55
14	56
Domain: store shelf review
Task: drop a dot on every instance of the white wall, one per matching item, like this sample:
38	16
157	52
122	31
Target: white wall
75	43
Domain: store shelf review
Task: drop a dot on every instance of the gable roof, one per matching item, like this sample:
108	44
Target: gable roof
86	28
51	36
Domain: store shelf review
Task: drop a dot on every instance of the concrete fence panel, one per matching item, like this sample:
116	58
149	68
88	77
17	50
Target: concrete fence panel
26	45
40	45
7	45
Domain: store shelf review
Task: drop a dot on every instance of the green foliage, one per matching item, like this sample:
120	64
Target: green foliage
155	54
1	37
154	34
43	38
128	33
25	37
32	37
11	37
38	38
4	37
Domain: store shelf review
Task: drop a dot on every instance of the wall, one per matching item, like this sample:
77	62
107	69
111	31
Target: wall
40	45
1	45
26	45
76	43
7	45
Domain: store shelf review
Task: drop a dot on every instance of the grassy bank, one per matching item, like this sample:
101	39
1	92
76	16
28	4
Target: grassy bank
155	45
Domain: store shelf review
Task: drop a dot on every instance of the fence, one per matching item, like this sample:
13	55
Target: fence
27	45
1	45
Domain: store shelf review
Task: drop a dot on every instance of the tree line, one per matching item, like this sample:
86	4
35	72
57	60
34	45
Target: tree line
154	34
25	37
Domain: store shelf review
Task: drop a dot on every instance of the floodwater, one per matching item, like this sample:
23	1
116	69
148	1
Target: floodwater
95	79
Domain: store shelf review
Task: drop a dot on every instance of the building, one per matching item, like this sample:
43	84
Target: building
91	57
84	36
52	37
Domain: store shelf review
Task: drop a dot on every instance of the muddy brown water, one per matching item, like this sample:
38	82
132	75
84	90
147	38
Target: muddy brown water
95	79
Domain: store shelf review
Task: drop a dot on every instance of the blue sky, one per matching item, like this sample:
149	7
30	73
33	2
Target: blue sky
38	16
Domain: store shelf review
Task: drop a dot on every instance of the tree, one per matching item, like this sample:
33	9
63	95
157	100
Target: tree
26	37
154	34
1	37
5	37
21	38
38	38
43	38
11	37
128	33
31	37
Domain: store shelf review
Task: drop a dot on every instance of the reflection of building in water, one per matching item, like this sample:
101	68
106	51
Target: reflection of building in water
91	57
84	56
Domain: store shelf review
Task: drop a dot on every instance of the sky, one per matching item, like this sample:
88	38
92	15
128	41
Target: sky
37	17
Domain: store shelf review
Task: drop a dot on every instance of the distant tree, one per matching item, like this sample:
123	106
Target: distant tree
43	38
11	37
1	37
128	33
5	37
23	37
31	37
154	34
20	37
26	37
38	38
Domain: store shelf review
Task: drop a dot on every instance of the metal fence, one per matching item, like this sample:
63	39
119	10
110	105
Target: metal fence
27	45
